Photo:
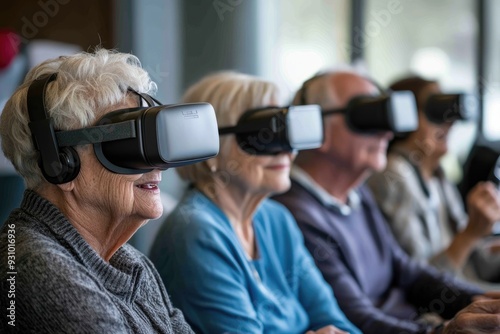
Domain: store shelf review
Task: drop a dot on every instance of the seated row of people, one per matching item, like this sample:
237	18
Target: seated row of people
232	259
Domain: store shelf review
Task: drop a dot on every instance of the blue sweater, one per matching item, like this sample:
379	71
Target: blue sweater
220	289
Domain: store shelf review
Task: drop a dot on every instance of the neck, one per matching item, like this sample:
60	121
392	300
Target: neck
239	205
338	180
104	233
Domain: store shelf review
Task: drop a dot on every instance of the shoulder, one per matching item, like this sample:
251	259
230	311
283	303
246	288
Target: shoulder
275	217
272	208
134	255
366	195
308	211
152	276
299	201
372	209
49	275
196	217
398	169
33	247
297	195
194	208
195	228
277	227
395	182
398	163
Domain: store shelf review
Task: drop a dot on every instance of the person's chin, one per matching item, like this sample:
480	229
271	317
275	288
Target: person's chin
150	202
379	164
156	215
282	187
153	213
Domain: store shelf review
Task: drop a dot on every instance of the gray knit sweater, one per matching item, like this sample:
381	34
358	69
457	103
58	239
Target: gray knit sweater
56	283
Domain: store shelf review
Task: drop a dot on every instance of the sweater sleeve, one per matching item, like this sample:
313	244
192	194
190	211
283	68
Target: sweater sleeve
54	295
315	295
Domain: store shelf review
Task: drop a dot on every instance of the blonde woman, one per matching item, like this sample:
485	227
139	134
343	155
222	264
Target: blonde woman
232	259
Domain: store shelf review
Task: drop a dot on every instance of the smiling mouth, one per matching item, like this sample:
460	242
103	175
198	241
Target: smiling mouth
278	167
150	186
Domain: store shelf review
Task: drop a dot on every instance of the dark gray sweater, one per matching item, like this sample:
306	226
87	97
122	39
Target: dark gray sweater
56	283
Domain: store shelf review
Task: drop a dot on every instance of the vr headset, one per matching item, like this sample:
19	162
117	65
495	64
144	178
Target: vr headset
273	130
396	112
442	108
126	141
494	177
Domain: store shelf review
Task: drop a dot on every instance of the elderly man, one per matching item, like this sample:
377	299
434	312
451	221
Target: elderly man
378	287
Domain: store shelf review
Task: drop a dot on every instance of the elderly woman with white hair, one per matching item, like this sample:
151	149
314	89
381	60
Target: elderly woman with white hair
64	264
233	260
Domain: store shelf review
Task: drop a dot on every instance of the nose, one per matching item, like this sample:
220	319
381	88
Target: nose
289	155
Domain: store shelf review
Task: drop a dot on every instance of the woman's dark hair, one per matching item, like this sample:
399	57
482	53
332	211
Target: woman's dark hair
416	85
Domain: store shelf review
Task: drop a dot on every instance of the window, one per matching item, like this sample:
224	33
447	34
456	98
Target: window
434	39
491	82
305	37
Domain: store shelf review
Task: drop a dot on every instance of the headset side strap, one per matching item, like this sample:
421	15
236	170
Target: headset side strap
97	134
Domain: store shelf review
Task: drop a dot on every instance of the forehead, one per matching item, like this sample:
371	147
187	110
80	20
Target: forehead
432	88
346	86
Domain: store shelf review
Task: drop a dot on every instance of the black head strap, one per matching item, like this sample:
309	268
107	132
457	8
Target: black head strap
146	97
41	125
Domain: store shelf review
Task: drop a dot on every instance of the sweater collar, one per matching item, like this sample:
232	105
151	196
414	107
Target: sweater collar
305	180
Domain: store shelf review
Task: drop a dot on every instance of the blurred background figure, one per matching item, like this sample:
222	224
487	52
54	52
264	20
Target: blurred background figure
424	208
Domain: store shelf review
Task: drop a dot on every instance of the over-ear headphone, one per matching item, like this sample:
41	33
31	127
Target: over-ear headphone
58	165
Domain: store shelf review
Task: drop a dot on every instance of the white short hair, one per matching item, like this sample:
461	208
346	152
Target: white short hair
87	86
231	94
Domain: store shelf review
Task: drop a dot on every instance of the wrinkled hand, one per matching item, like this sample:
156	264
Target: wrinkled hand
483	203
482	316
328	330
487	296
494	249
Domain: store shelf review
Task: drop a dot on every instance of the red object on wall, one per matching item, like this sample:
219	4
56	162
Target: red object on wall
9	47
